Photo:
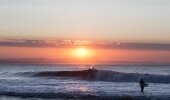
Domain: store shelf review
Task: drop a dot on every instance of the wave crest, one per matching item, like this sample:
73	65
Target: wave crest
106	75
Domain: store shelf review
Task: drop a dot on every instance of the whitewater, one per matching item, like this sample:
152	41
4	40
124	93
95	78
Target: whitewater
65	82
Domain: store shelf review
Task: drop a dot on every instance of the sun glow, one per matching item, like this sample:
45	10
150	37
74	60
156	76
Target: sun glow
82	52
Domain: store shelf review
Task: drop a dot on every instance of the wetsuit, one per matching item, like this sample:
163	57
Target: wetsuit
142	85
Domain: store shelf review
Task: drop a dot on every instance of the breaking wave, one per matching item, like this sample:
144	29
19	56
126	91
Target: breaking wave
102	75
131	77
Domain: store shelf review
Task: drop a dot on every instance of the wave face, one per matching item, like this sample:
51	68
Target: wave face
130	77
84	74
105	75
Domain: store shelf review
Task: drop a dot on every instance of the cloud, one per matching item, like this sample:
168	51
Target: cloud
76	43
141	46
26	43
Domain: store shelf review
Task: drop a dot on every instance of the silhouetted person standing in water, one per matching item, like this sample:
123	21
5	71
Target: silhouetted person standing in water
142	84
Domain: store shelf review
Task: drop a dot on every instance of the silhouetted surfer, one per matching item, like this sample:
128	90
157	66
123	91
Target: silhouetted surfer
91	68
142	84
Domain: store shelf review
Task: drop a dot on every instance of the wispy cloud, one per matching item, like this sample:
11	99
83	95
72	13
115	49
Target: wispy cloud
27	43
75	43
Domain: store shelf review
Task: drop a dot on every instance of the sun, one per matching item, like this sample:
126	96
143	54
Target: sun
82	52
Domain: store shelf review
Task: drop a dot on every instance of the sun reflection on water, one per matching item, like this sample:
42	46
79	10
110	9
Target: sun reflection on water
79	89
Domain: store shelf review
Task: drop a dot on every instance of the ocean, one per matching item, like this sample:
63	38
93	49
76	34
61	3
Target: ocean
75	82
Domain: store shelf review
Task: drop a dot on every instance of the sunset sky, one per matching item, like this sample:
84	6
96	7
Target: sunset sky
89	31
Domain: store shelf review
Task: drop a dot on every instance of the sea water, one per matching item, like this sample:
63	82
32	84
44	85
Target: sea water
111	82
